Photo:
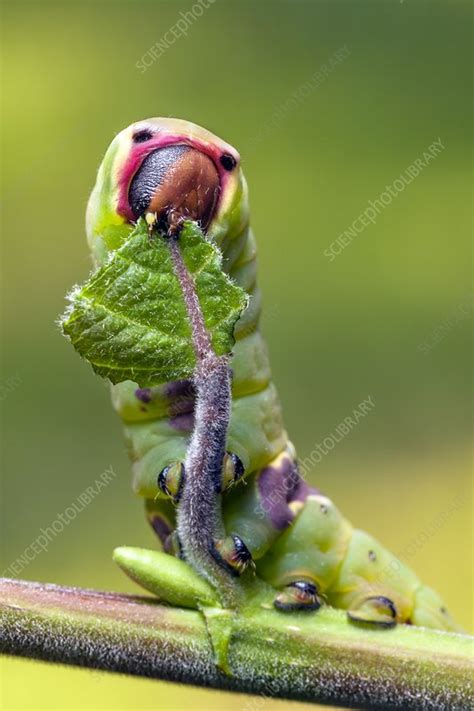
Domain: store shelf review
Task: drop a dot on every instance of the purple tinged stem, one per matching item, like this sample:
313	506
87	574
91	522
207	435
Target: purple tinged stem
318	658
199	515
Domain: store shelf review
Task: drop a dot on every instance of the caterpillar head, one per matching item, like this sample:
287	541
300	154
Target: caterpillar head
172	168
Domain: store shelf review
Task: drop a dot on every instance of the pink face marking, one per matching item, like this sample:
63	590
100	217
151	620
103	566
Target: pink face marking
161	139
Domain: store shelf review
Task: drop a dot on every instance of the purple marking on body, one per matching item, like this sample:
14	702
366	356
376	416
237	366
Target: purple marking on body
302	491
183	422
161	527
181	407
144	394
276	485
180	388
182	395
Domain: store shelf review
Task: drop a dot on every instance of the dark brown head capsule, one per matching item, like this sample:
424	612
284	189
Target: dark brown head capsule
175	183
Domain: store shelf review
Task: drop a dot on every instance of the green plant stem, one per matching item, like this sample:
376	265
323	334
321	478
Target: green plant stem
317	657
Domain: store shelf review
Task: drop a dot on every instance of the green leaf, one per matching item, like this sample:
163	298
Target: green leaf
129	319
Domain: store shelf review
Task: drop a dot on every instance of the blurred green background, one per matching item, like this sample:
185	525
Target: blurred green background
338	331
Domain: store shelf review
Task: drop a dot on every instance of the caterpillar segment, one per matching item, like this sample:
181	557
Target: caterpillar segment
169	170
350	569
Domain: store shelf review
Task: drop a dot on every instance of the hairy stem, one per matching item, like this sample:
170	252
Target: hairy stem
199	513
318	658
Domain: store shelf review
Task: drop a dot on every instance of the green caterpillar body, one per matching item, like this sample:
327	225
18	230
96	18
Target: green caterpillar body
292	531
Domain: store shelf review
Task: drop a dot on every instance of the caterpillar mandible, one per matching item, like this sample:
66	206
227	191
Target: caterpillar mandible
168	170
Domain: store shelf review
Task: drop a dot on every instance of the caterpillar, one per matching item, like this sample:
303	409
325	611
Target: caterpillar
170	170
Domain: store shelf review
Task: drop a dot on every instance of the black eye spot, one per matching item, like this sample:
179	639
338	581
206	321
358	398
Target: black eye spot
372	556
228	162
142	136
443	610
323	508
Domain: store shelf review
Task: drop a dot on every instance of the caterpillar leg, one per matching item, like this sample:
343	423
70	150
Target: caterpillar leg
256	513
232	470
376	610
233	554
231	551
171	478
299	595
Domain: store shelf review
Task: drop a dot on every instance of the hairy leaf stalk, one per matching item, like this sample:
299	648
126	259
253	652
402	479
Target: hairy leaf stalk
199	512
